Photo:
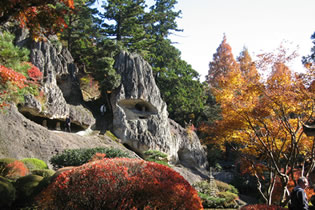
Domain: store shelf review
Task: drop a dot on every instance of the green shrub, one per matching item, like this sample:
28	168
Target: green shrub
77	157
43	172
203	187
12	169
7	193
119	183
25	187
229	199
225	198
156	156
34	163
223	187
211	202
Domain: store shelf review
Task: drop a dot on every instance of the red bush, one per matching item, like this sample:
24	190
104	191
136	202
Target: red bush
98	156
15	170
34	73
120	183
262	206
14	77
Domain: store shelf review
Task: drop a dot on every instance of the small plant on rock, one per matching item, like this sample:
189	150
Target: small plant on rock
156	156
12	169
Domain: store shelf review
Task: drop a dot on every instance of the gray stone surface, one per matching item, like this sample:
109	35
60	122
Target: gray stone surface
59	84
141	118
23	138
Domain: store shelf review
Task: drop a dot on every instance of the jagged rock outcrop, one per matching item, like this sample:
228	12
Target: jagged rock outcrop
140	117
59	85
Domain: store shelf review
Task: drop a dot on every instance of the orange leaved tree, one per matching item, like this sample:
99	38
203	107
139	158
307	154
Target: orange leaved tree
39	16
263	119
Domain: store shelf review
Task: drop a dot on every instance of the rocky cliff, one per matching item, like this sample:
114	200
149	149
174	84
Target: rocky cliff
140	118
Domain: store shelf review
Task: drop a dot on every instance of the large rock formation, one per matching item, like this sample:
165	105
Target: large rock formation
141	118
59	85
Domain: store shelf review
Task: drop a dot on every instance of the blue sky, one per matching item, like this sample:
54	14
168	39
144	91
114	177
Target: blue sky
260	25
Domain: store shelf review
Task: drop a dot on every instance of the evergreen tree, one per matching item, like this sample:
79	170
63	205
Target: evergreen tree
184	94
92	52
80	21
164	19
124	21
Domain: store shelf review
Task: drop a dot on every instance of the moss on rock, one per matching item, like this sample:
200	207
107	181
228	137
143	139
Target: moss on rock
7	193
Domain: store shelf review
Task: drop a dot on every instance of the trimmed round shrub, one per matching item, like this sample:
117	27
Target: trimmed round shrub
7	193
34	163
119	183
25	187
77	157
43	172
12	169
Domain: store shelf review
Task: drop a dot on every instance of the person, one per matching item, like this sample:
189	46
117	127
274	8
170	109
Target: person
298	196
103	109
68	124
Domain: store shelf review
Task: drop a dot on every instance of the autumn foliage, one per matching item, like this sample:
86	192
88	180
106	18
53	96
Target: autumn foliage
11	81
7	75
13	170
39	16
262	118
119	183
34	74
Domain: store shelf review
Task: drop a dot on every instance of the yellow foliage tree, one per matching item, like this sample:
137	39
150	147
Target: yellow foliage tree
263	120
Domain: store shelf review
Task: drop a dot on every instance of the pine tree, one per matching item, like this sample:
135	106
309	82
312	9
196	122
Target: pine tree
124	21
164	17
92	51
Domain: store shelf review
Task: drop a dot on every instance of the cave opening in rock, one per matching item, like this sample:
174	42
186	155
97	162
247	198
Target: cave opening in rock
137	108
52	124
